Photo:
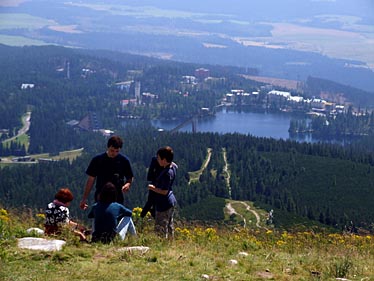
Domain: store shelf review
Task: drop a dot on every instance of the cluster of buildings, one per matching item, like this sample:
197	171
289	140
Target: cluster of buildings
187	83
284	101
140	98
266	98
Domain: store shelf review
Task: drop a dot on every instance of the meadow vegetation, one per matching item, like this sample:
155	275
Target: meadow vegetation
199	251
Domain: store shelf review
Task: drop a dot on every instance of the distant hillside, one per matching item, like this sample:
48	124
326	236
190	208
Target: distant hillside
339	92
322	182
288	40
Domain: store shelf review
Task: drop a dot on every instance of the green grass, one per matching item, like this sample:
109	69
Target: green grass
195	251
249	215
70	154
18	20
22	140
20	41
64	155
195	175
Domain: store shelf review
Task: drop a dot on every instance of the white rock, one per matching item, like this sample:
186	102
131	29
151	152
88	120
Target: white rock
205	276
35	230
141	249
243	254
40	244
233	262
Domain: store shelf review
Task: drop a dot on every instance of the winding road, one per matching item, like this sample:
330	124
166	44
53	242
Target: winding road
26	126
231	211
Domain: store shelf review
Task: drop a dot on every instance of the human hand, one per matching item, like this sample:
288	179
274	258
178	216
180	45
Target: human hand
83	205
126	187
151	187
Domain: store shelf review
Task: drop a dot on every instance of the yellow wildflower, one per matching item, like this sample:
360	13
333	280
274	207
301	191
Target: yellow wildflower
136	212
4	216
40	216
211	233
280	242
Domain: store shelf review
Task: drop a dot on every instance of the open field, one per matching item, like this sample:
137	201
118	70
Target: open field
284	83
356	43
195	175
16	21
197	252
20	41
64	155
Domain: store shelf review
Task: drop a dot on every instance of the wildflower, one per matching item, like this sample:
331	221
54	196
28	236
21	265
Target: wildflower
281	242
285	235
183	232
198	231
211	233
40	216
4	216
237	237
136	212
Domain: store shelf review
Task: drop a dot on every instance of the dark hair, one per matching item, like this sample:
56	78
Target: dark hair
64	195
115	141
108	193
167	153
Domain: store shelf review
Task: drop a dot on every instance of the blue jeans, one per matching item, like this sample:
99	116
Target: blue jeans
125	225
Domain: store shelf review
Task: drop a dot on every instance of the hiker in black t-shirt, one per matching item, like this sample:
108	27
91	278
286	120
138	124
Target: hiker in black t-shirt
110	166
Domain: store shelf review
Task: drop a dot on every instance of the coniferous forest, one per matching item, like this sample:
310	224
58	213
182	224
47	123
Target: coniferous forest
328	183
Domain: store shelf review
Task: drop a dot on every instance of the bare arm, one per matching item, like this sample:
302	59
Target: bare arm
89	184
157	190
76	226
126	186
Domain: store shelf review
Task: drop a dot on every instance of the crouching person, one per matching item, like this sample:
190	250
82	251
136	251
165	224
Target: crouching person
110	218
57	215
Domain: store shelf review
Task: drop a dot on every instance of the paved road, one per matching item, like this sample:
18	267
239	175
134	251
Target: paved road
24	129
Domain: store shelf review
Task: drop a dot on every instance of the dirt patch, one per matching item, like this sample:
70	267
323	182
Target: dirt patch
265	275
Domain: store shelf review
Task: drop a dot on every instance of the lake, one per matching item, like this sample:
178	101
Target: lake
259	124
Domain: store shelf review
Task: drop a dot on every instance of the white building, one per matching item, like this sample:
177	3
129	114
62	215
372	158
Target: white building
25	86
282	94
318	103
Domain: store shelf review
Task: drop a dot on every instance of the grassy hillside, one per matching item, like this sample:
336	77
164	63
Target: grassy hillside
198	252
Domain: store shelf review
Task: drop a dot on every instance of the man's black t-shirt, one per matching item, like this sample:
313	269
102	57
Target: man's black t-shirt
114	170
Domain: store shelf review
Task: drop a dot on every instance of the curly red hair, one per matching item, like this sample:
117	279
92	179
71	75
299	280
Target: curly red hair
64	195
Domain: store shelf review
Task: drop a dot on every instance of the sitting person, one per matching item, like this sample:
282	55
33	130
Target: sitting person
57	215
110	217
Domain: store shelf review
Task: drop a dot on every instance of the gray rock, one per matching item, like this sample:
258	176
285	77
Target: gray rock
40	244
